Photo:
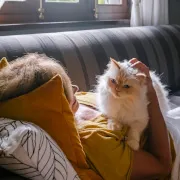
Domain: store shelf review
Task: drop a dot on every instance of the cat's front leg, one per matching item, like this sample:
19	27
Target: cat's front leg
114	125
134	134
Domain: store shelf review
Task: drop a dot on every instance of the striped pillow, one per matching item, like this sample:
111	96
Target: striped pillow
27	150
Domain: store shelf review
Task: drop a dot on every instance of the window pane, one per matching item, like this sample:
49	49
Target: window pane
63	1
110	2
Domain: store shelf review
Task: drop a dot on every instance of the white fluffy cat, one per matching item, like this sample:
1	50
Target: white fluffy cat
122	97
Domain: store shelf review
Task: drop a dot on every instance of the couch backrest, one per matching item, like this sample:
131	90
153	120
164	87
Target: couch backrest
85	54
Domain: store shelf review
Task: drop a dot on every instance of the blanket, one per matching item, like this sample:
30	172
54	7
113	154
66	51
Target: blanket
173	125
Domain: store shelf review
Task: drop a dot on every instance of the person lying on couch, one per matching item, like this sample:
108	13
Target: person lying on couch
105	154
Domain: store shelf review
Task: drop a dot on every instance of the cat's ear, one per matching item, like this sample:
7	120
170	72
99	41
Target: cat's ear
114	63
141	77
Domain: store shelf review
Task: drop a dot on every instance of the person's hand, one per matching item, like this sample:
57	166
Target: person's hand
135	63
74	105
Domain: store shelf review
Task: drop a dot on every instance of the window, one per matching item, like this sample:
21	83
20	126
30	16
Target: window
111	9
15	0
68	10
17	11
115	2
63	1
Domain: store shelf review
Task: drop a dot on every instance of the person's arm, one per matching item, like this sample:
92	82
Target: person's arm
158	134
157	162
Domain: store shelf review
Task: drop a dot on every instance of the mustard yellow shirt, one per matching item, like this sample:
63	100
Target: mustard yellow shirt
107	152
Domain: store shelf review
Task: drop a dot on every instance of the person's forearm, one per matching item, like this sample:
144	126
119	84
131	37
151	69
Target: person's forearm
158	134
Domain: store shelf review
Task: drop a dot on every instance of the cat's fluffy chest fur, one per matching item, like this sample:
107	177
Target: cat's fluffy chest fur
122	97
125	111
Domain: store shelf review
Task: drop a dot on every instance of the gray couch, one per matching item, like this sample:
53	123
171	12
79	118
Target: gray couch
85	54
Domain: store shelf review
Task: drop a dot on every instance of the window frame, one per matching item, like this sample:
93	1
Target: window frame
19	12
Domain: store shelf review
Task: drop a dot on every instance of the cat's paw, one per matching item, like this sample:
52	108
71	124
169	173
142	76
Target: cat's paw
133	144
114	126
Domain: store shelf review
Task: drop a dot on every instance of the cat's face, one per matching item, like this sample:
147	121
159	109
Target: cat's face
124	81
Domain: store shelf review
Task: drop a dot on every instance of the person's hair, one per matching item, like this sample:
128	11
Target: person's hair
28	73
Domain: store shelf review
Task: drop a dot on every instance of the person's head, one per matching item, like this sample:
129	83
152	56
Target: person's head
31	71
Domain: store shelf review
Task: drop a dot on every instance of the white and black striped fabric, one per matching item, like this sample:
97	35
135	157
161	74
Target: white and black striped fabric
85	54
30	152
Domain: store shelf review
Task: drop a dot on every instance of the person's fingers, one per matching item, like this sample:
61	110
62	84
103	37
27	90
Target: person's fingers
75	106
141	67
138	65
133	60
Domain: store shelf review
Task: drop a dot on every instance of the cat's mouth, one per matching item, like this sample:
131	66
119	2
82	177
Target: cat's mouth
119	95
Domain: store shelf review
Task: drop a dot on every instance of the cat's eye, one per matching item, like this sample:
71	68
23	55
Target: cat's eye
113	81
126	86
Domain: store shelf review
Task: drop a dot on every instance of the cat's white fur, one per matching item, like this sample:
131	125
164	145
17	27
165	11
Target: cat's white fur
128	109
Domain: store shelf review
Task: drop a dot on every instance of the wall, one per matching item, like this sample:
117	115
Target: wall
174	11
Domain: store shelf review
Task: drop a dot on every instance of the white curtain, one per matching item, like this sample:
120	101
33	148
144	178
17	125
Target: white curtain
149	12
2	3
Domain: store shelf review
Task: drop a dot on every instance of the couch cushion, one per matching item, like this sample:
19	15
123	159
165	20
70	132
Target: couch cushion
86	53
7	175
3	63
